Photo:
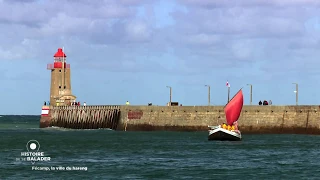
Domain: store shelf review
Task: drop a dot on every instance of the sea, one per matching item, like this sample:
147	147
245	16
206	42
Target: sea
108	154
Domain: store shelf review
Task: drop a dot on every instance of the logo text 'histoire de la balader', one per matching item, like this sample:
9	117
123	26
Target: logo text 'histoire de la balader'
33	155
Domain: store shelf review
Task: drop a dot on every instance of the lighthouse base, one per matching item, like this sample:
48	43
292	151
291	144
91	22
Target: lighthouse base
45	121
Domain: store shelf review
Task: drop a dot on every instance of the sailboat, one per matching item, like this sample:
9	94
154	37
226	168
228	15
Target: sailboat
232	111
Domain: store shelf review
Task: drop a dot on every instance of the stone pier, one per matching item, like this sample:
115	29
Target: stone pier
82	117
253	119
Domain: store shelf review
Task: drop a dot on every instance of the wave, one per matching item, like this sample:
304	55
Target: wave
68	129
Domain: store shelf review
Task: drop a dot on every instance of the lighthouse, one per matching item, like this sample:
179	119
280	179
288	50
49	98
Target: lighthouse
60	90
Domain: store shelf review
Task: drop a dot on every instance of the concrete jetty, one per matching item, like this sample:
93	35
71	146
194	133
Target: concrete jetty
253	119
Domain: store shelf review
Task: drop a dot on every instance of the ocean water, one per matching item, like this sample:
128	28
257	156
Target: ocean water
107	154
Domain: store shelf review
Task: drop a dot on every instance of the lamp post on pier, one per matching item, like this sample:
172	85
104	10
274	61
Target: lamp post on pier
297	92
208	94
250	93
170	93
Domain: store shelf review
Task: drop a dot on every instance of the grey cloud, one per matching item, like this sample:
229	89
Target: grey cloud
107	21
19	1
38	14
250	3
226	34
27	14
245	22
120	32
138	31
209	35
100	10
121	2
202	39
132	2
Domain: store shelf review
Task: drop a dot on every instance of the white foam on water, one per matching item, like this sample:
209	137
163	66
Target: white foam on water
68	129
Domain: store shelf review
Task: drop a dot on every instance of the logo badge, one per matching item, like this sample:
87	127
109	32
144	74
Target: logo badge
33	146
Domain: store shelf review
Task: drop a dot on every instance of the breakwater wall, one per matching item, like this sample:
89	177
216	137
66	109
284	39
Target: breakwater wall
253	119
82	117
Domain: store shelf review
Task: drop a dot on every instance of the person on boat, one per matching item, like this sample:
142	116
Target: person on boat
229	127
235	124
224	126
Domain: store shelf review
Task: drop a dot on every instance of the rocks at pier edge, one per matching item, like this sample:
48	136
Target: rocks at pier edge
253	119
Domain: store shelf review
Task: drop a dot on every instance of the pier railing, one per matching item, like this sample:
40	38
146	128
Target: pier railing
86	107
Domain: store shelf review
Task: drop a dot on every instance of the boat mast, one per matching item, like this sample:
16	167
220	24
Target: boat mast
233	97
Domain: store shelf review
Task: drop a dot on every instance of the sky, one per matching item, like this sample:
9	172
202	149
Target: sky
131	50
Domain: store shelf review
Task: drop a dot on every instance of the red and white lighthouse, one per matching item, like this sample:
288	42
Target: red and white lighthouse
60	90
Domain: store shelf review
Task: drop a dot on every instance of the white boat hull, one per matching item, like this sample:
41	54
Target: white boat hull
220	134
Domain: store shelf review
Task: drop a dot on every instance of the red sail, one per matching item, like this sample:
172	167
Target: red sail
233	108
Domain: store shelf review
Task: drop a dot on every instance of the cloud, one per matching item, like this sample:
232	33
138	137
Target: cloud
52	24
198	36
250	3
156	43
240	33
